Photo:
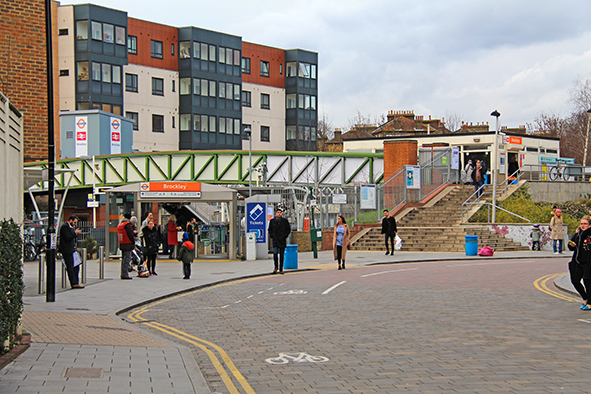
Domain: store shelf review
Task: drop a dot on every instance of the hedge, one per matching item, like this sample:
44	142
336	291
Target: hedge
11	279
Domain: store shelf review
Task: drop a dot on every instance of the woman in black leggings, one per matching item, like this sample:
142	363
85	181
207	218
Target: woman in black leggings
580	265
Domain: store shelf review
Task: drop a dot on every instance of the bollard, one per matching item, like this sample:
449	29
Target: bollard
40	287
64	274
101	262
84	255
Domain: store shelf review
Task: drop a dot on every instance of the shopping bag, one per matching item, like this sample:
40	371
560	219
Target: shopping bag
486	251
397	243
77	259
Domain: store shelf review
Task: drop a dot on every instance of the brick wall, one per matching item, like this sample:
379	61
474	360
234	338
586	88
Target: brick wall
23	70
397	154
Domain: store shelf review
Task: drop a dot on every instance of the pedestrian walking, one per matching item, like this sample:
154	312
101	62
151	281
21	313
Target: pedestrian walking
126	237
478	178
151	243
535	235
557	228
173	230
389	230
67	247
469	169
279	229
185	254
340	241
580	265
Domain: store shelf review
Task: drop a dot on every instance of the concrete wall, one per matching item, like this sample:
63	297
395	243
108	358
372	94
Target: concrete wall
67	59
520	233
274	117
555	192
11	162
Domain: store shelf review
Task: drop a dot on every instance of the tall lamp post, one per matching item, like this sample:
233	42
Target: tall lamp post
248	131
587	138
496	114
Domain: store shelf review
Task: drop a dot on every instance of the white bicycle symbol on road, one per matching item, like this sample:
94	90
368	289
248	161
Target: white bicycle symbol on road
285	358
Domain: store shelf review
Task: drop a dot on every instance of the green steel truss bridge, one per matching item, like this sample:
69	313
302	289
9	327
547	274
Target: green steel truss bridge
220	167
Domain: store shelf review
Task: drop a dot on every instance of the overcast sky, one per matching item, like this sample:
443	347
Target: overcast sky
434	57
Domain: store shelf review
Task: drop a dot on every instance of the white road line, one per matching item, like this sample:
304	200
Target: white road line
584	320
250	296
237	302
225	306
387	272
260	292
494	263
332	288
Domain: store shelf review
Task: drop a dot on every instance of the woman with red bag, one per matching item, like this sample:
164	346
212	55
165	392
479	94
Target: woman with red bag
340	241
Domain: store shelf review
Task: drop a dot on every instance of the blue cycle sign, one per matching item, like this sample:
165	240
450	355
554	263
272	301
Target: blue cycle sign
256	221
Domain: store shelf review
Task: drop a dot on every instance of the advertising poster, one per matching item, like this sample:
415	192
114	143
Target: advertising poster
413	177
455	158
256	220
368	196
115	136
81	136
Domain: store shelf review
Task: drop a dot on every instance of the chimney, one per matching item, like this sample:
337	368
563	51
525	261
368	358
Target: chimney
337	133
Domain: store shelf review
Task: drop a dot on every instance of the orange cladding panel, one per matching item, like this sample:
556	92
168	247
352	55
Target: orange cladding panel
145	33
276	58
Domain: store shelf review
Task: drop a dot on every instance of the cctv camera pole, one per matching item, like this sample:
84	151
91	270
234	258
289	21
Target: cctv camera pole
51	234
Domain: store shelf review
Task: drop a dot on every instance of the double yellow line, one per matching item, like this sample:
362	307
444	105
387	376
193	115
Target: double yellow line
541	284
208	347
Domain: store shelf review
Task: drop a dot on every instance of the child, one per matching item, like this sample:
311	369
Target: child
186	255
535	237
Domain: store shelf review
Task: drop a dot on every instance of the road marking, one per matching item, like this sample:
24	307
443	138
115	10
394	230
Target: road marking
250	296
288	292
225	306
332	288
285	358
387	272
541	284
261	292
493	263
237	302
585	320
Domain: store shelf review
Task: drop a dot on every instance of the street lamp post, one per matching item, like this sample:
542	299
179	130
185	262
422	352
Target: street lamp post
496	114
248	131
587	138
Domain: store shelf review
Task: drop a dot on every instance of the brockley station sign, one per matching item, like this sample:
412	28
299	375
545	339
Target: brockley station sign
170	189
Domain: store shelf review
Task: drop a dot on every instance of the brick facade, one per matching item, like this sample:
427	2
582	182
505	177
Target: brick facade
397	154
23	70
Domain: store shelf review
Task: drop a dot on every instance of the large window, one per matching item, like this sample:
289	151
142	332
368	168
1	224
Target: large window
292	69
158	86
106	72
82	30
291	101
291	132
264	69
212	88
97	31
185	122
265	101
229	94
246	98
212	53
116	74
108	33
196	86
132	45
131	82
222	90
119	35
157	124
96	71
82	71
185	49
246	65
156	49
307	70
133	116
265	133
185	86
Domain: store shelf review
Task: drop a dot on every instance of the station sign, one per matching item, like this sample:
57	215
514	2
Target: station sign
507	139
170	189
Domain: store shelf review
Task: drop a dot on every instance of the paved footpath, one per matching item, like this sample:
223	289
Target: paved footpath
80	345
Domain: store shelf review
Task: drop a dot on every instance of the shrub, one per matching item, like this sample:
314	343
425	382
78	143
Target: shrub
90	244
11	279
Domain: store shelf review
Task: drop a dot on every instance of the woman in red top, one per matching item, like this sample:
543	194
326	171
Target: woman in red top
172	235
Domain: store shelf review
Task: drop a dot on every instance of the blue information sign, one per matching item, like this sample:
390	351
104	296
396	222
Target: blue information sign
256	220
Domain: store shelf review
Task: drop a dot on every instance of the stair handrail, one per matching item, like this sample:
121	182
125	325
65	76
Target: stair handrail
503	209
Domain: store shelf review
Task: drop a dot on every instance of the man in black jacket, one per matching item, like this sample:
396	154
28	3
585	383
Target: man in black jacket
68	233
279	229
389	230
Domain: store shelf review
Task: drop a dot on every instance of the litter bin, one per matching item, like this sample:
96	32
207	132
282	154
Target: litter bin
290	260
471	245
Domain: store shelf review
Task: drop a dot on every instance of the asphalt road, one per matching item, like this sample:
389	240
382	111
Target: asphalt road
458	327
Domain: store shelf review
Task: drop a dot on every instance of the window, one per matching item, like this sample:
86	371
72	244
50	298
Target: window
64	73
131	82
265	98
116	109
222	125
229	94
173	85
158	86
108	33
244	127
185	49
212	124
222	90
119	35
133	116
212	53
157	124
313	135
307	133
237	89
237	57
236	126
281	69
313	71
204	122
63	32
313	102
265	131
185	86
264	69
116	76
196	50
82	71
246	98
172	49
173	122
229	125
106	72
96	71
106	107
291	101
212	88
185	122
203	51
196	86
291	132
301	101
132	45
97	31
292	69
197	122
156	49
204	89
246	65
82	30
222	55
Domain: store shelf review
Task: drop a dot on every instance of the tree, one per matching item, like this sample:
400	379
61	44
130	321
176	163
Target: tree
325	132
361	119
453	121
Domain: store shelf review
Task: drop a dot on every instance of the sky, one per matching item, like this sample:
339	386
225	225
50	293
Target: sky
453	58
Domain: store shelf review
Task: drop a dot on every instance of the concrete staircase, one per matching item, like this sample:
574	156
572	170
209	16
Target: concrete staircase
436	227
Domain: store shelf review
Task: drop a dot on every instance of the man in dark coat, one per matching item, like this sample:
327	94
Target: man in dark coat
279	230
389	230
478	177
68	233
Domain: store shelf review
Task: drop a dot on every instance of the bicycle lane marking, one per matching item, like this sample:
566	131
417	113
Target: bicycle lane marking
541	284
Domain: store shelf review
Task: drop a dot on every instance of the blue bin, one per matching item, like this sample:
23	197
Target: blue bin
290	260
471	245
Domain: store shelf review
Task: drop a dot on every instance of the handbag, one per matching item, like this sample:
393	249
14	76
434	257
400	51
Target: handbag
349	245
179	236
